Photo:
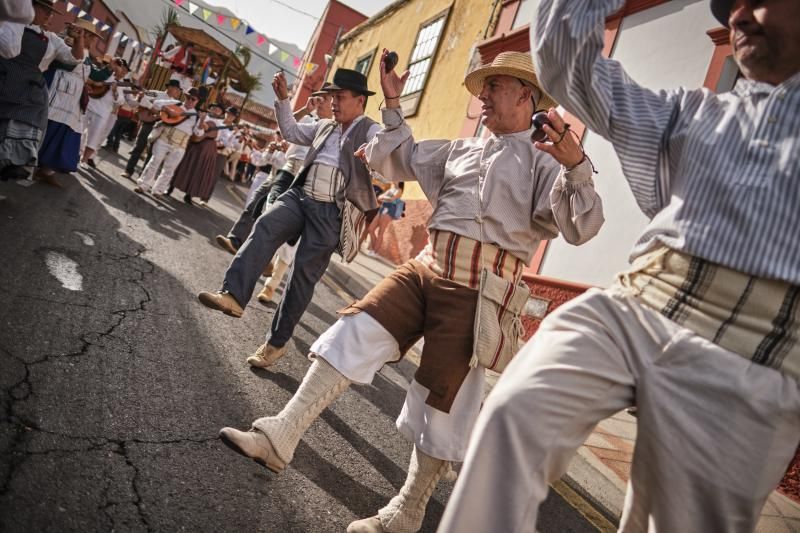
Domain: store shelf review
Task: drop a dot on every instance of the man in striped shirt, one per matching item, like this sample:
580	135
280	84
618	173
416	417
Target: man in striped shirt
701	333
494	199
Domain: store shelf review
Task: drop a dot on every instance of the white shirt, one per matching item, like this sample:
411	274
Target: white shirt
11	44
104	105
191	125
20	11
259	158
64	96
303	133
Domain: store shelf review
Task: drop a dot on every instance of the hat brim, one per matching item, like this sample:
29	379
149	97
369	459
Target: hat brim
721	9
53	9
87	30
333	87
321	93
474	82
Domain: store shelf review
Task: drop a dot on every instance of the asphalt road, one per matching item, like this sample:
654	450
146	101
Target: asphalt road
114	380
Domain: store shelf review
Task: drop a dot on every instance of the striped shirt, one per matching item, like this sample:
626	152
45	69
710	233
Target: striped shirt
525	195
718	174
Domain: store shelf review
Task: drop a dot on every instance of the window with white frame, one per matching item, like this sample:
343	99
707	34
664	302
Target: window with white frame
364	63
421	60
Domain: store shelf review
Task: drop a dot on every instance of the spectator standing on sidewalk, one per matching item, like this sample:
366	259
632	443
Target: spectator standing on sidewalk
391	209
700	334
436	296
148	117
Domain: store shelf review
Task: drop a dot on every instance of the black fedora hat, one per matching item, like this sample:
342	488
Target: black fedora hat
48	4
173	83
352	80
325	89
721	9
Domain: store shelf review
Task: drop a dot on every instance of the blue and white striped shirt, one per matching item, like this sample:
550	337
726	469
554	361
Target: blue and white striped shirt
718	174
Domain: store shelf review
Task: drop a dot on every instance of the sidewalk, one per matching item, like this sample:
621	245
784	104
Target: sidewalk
600	470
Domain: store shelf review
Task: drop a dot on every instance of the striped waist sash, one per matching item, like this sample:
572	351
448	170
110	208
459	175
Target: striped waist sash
458	259
753	317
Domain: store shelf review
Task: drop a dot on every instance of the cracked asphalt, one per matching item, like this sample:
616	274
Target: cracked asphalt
111	396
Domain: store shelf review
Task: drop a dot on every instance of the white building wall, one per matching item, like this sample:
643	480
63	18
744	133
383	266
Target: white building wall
662	47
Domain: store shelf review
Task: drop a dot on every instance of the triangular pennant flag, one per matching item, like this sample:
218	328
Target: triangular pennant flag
297	62
179	2
135	44
105	27
310	67
206	14
284	56
124	38
192	8
249	30
261	40
81	13
117	35
272	48
69	6
220	19
235	23
95	21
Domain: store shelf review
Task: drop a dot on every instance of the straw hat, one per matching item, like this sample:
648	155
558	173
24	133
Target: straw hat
48	4
516	64
86	26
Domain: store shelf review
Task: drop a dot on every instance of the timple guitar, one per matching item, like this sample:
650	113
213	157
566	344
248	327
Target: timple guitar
172	115
98	89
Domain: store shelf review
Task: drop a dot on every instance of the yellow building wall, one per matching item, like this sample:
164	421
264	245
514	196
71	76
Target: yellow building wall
443	105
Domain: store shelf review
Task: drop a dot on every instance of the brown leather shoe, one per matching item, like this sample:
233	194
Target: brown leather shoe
268	270
266	294
266	355
252	444
226	244
221	301
366	525
138	190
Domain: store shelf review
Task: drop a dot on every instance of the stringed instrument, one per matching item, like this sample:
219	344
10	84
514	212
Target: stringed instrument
98	89
213	129
172	115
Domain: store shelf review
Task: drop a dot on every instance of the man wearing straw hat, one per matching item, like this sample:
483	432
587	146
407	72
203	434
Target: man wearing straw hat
701	333
494	200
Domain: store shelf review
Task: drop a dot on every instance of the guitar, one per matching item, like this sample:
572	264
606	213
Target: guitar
213	129
98	89
172	115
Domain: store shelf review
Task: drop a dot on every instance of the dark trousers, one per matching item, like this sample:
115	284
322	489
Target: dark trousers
264	195
139	147
292	215
123	126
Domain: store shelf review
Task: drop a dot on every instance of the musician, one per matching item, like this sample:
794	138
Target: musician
61	147
23	100
179	122
233	148
196	174
147	119
104	97
181	61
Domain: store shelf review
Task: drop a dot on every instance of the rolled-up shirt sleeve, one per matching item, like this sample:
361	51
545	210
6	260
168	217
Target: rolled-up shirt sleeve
576	206
291	130
567	44
394	154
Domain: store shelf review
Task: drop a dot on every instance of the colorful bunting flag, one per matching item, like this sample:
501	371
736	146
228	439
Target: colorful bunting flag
69	6
105	27
249	30
310	67
261	40
81	13
95	21
135	44
192	8
235	23
206	14
124	38
117	35
220	19
296	63
179	2
272	48
284	56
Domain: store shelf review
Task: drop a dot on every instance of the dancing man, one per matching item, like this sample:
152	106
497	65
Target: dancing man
701	333
435	296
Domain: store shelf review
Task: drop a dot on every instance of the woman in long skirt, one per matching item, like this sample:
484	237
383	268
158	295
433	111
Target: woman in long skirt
196	174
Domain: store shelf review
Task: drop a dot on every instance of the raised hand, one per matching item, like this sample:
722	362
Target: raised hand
279	86
361	153
563	145
391	84
313	102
